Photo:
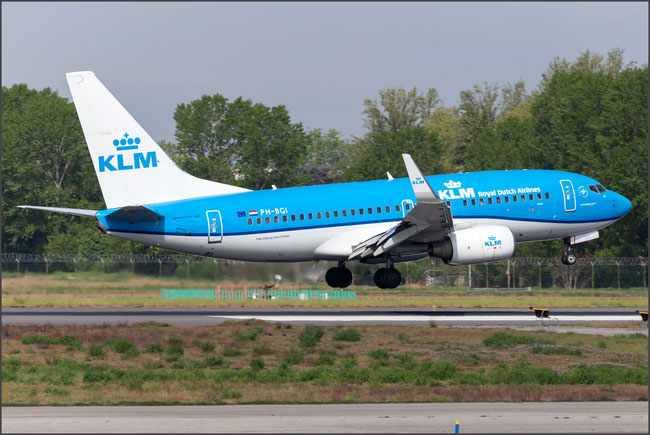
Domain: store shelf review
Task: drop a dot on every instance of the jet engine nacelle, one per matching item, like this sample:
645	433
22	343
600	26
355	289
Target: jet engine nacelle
478	244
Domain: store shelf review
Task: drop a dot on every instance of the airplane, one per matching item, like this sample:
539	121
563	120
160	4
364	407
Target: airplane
464	218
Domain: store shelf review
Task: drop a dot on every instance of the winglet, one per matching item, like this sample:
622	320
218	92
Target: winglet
420	185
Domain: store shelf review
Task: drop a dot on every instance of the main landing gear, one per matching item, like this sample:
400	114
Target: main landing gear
388	277
339	277
568	258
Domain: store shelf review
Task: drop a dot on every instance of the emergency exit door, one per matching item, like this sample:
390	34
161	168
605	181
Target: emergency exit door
215	230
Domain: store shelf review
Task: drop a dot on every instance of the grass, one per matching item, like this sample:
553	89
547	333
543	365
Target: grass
447	364
91	289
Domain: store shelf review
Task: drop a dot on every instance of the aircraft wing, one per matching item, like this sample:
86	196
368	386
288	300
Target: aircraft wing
430	220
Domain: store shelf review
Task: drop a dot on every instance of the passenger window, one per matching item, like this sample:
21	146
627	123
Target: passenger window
353	212
302	217
378	209
327	214
267	219
250	221
310	215
276	218
514	198
505	198
481	201
293	217
489	200
407	206
449	204
369	210
360	211
336	213
388	209
319	215
344	212
530	197
464	202
546	195
284	218
259	221
523	197
473	201
539	196
397	208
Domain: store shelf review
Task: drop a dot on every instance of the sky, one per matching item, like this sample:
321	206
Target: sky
320	60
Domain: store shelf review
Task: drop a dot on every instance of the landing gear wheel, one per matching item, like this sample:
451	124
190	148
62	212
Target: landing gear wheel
569	259
378	277
392	278
338	277
387	278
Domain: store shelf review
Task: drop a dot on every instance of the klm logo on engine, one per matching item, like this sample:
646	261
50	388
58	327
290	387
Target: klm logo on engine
125	162
454	191
492	241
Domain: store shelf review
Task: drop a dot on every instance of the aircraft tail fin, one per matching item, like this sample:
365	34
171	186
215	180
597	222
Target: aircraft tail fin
132	169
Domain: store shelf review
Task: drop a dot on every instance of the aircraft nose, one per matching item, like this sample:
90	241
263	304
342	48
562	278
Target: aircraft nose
622	204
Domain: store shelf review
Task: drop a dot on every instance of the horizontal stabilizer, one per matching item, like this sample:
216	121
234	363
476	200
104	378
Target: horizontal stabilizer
135	214
72	211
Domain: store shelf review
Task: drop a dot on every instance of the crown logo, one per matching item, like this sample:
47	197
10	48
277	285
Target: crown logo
492	238
126	143
452	184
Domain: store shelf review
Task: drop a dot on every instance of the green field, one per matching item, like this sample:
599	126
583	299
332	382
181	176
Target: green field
92	289
260	362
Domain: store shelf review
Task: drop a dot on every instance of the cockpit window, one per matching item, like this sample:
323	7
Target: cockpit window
597	188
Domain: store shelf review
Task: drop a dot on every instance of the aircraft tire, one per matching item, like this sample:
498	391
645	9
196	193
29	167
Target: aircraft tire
345	277
392	278
570	259
332	277
379	277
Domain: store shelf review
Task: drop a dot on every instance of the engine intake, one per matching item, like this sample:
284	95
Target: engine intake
478	244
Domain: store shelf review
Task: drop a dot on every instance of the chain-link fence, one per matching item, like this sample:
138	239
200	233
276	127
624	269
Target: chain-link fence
516	273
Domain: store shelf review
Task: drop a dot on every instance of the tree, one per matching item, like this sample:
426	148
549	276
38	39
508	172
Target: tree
328	156
239	142
384	153
398	109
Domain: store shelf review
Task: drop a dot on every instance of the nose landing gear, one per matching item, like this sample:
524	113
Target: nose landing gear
568	258
339	277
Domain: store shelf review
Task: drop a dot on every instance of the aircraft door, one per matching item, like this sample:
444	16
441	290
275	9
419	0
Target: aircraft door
407	203
215	230
569	195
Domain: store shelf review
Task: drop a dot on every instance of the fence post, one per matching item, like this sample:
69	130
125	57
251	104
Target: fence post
469	273
487	280
159	267
47	266
18	266
618	274
539	274
103	265
508	272
593	284
188	268
132	266
74	259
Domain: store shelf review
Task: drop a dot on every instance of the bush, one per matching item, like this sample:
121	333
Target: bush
555	350
347	335
154	348
175	341
323	360
96	351
310	335
295	356
257	363
175	350
261	349
380	354
123	346
213	361
501	340
231	351
73	343
250	335
207	346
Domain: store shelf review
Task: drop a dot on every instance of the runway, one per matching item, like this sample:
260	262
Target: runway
320	316
558	417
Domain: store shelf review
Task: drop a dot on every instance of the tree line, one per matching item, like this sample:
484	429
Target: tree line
588	116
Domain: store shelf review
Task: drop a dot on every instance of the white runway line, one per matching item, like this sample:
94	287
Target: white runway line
423	318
